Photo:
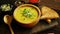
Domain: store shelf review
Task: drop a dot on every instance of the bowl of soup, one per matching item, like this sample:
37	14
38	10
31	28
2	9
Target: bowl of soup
27	15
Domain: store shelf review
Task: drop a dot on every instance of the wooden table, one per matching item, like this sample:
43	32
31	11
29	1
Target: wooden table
4	29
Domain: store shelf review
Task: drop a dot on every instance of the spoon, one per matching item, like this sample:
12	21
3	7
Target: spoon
8	20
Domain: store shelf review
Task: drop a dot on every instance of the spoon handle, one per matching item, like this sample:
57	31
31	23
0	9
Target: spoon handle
12	32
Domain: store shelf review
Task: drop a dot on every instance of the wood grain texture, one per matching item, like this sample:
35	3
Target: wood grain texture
51	3
55	4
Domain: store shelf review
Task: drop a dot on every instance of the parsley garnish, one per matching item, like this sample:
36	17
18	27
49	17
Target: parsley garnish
27	13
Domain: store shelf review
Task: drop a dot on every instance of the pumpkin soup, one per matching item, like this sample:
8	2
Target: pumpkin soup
26	14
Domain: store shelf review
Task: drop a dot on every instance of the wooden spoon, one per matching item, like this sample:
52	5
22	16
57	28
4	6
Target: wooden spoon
8	20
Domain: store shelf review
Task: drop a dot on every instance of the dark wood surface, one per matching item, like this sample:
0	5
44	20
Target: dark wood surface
41	28
55	4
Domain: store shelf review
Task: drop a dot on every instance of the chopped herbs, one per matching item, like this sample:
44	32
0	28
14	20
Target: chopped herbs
27	13
6	7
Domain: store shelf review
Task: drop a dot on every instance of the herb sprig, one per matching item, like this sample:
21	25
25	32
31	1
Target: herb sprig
27	13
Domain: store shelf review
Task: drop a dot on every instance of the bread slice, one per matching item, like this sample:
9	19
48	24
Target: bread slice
48	13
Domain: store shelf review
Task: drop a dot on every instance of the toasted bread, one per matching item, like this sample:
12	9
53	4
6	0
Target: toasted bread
48	13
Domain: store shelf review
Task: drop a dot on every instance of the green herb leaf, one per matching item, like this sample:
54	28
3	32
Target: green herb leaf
27	13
